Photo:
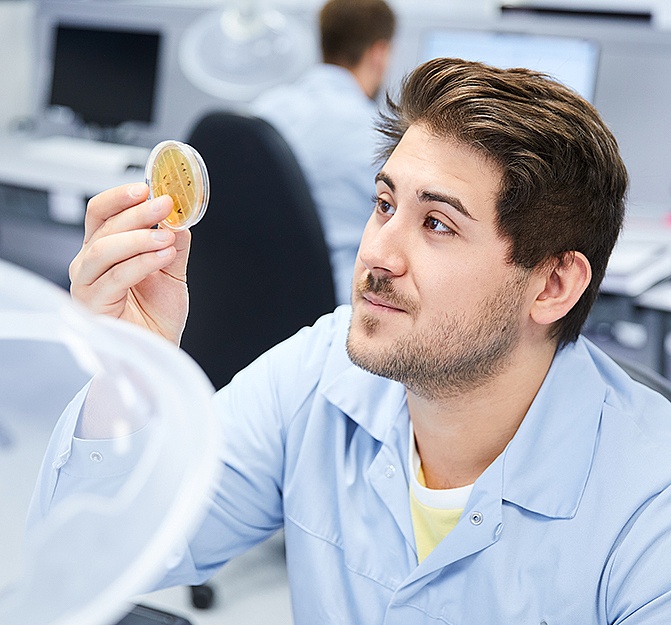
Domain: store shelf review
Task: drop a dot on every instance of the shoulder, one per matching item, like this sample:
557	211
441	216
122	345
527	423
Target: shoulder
634	435
291	371
622	427
633	393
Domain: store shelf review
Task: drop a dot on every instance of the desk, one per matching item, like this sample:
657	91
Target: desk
69	169
45	185
635	297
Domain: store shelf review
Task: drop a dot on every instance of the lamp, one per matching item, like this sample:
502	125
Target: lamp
236	52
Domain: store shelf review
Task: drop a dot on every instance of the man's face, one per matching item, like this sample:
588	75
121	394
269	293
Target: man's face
435	304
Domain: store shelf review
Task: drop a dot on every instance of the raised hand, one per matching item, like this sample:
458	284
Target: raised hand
129	270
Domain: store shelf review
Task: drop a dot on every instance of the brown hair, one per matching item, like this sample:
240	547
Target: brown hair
349	27
564	183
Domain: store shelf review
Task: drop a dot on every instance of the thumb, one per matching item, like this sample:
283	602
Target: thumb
177	268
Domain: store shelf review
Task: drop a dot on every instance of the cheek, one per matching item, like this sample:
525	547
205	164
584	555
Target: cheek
458	286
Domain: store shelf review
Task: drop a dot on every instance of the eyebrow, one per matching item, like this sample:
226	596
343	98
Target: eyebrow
429	196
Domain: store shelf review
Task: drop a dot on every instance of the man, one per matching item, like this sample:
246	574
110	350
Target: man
480	462
327	119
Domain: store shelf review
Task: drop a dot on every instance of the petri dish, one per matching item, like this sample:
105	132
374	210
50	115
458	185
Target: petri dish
176	169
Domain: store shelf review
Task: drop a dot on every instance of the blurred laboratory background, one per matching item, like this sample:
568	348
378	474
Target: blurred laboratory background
90	86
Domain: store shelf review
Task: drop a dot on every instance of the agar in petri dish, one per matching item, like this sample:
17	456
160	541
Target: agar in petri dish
176	169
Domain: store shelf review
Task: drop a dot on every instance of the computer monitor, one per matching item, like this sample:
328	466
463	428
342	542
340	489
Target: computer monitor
573	61
104	76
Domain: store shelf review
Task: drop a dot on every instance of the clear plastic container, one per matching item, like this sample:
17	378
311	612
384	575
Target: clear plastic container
99	547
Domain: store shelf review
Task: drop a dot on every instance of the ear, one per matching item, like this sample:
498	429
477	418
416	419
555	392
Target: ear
563	283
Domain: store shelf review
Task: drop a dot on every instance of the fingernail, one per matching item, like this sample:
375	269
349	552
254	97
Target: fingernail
137	190
163	252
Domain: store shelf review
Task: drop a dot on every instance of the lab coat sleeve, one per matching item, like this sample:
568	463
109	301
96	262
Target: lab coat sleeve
72	465
256	410
639	579
56	455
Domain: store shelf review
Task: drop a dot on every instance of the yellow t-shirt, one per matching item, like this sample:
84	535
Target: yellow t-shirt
435	513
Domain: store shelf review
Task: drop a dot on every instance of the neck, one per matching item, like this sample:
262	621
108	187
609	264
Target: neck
476	425
368	83
369	71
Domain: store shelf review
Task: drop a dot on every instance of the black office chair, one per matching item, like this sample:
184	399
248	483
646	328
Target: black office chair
146	615
645	375
259	267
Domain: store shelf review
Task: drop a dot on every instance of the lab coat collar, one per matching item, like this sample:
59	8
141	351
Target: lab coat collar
371	401
547	463
335	76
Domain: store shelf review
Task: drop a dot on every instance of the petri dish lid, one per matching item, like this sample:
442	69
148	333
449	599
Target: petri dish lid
176	169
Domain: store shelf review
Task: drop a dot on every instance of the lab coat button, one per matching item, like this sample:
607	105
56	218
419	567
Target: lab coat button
390	471
96	456
476	518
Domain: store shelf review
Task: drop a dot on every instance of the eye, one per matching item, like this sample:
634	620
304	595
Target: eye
383	207
431	223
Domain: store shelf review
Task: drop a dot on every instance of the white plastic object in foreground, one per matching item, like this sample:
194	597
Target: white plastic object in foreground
94	550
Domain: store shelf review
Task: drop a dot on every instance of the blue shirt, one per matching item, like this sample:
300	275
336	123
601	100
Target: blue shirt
570	525
327	121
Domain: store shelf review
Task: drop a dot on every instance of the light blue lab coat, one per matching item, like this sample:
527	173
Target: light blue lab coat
570	525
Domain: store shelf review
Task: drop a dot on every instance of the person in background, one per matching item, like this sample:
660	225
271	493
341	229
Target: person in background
327	119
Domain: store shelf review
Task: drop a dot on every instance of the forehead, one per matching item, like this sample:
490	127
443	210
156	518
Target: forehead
423	162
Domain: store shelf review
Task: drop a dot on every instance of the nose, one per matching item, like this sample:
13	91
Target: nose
383	246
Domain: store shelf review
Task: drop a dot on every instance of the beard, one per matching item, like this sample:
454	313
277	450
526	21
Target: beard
450	354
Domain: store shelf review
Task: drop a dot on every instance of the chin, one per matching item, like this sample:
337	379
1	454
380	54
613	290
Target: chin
363	324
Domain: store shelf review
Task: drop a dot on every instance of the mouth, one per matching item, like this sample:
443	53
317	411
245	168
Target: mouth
378	295
379	303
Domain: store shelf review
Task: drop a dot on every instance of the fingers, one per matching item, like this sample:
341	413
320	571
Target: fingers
100	255
126	233
116	212
110	203
107	293
121	248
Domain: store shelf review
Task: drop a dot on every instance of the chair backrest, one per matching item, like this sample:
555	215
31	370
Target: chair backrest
645	375
259	267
